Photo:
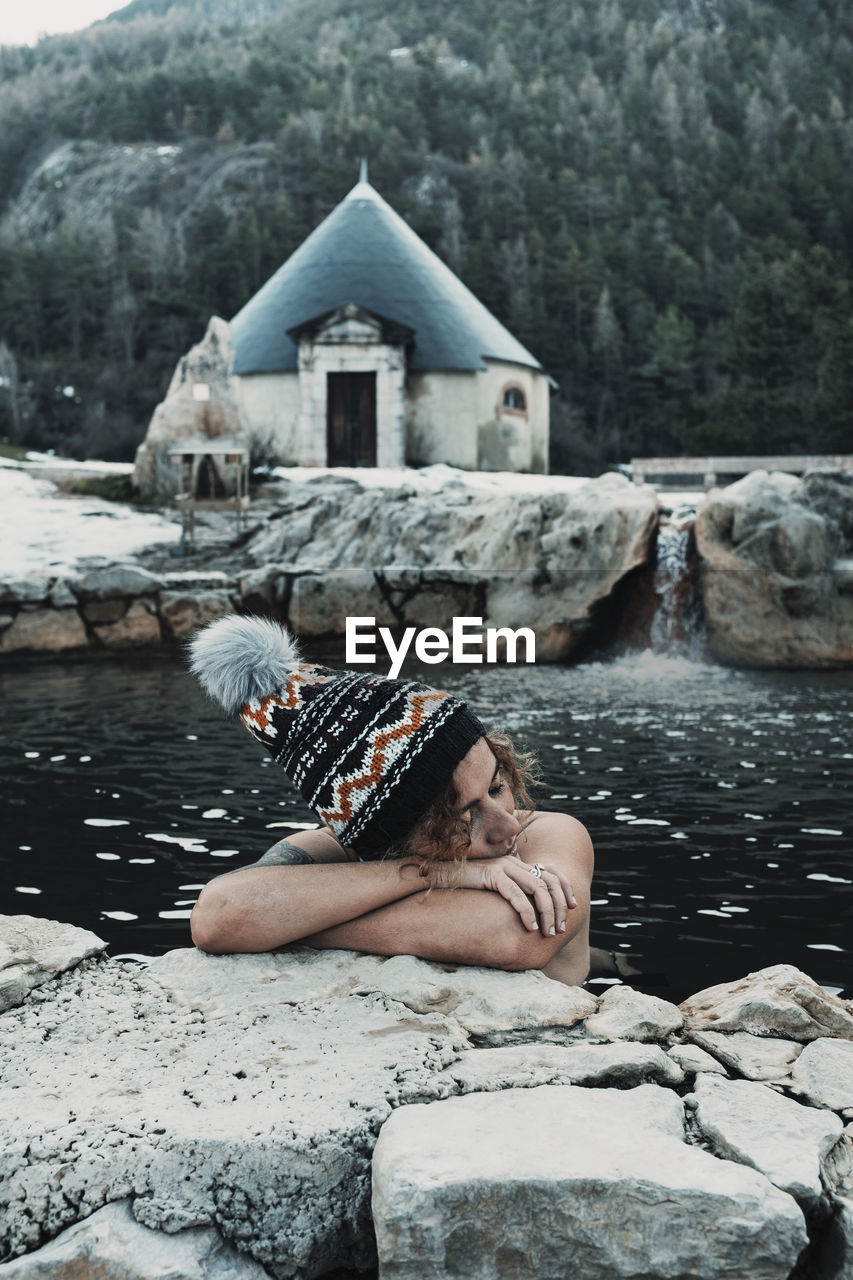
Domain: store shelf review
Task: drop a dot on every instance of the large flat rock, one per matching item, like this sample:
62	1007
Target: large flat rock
823	1074
523	1066
754	1057
481	1000
538	1184
744	1120
258	1117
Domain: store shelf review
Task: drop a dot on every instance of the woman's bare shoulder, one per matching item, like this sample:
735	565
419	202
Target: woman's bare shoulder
543	820
548	834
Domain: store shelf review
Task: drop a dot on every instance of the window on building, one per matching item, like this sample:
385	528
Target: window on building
514	398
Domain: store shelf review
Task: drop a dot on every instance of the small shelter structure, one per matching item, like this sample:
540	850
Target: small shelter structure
364	349
212	475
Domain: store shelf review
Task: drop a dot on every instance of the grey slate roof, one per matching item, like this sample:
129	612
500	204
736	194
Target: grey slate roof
364	252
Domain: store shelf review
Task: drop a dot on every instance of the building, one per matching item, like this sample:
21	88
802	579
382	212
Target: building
364	349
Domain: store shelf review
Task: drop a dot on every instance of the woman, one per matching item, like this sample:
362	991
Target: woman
429	848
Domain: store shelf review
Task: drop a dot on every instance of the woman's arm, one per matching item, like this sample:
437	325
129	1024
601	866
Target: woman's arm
468	926
382	907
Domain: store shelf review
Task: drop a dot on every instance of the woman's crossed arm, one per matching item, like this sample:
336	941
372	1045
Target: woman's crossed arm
501	915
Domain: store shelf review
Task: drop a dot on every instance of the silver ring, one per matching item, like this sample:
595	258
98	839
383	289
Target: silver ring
536	869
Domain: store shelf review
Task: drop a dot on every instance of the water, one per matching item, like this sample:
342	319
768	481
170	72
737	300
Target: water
720	802
676	624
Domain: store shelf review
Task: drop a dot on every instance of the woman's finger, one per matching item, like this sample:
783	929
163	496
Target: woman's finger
518	899
559	897
547	893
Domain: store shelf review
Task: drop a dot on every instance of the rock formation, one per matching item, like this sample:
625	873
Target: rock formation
235	1102
323	551
205	371
777	571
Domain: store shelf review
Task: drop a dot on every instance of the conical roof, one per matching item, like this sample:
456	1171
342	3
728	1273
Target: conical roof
364	253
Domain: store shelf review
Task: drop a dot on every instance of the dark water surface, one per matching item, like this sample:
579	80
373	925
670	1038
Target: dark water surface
720	802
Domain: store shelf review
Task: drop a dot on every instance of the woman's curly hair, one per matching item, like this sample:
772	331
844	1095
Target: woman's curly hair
445	830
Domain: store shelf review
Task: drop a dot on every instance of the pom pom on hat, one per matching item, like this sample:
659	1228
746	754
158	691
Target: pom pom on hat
241	658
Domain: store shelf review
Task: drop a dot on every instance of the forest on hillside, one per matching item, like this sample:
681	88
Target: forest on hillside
657	199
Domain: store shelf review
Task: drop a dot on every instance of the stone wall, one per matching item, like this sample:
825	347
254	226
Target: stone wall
291	1113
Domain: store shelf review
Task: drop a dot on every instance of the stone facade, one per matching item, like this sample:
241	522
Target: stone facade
351	341
456	417
460	418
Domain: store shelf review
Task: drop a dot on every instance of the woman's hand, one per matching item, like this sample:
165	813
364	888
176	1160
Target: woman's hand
515	881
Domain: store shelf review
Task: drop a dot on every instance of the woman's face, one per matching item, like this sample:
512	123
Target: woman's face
485	804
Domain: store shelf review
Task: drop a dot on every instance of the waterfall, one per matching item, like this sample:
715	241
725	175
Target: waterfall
676	625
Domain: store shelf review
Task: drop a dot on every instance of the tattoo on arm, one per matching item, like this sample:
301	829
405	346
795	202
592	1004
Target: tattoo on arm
284	854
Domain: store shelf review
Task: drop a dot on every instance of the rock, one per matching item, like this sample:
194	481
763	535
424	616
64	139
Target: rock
745	1121
838	1166
61	595
418	597
32	951
182	612
116	581
189	581
621	1065
768	544
256	1110
559	1180
487	1003
321	603
515	559
221	986
755	1057
138	627
823	1074
111	1245
778	1001
46	630
511	598
180	416
691	1059
105	610
25	590
626	1014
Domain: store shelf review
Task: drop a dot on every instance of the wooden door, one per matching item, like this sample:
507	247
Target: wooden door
351	419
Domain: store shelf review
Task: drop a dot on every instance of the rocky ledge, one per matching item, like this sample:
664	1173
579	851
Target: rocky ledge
293	1113
321	551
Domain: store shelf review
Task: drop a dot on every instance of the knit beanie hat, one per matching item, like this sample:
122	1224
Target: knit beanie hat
369	753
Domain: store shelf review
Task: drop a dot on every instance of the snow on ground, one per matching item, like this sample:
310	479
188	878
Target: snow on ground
436	477
53	463
45	532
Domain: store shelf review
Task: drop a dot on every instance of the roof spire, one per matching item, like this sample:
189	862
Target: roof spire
362	177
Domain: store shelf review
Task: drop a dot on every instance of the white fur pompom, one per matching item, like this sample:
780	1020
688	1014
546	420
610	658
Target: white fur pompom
237	658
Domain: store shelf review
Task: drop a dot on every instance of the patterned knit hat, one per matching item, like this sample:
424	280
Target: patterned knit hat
370	754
